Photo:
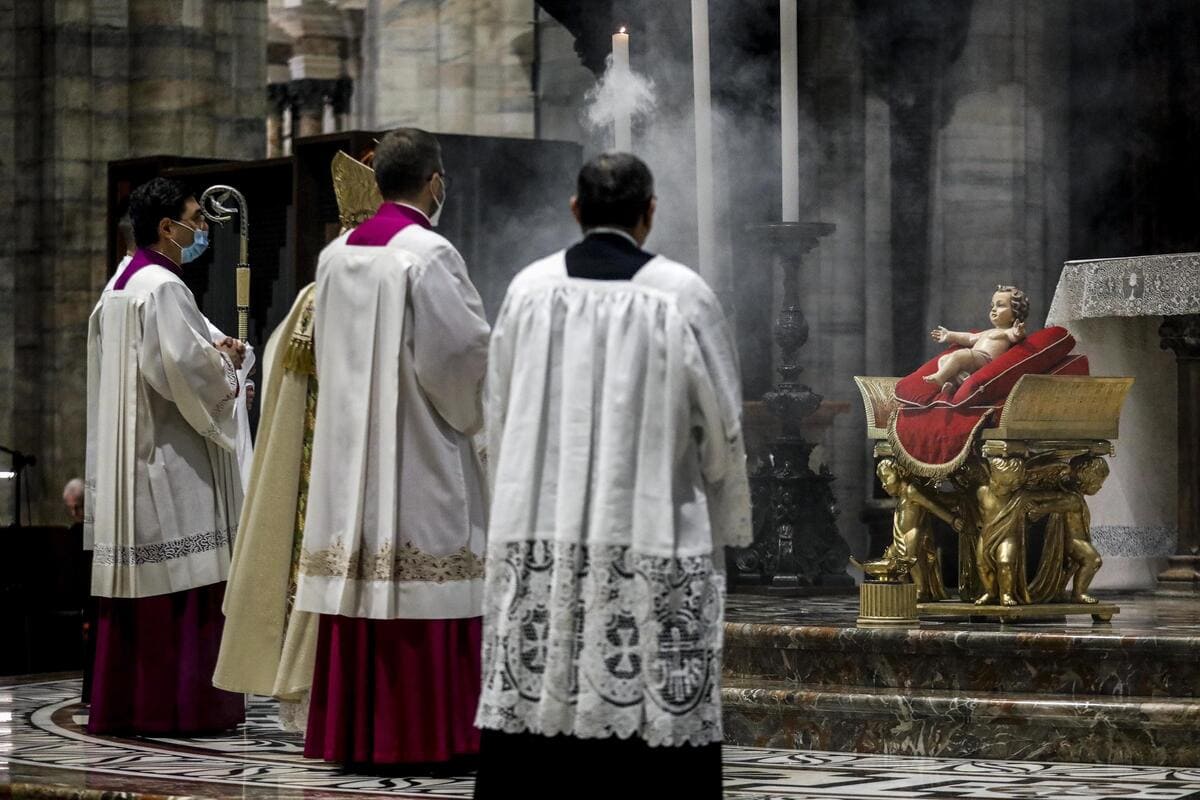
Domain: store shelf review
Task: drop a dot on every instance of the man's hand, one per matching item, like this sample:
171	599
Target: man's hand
233	348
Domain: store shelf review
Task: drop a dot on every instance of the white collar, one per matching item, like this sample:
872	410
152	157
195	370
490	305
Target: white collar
614	231
414	208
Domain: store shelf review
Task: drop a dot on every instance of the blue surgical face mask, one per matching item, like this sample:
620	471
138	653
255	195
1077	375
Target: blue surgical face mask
196	249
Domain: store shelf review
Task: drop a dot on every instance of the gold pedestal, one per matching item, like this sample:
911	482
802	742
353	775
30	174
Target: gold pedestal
887	603
1101	612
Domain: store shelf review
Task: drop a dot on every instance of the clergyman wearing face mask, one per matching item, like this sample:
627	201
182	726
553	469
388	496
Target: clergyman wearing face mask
189	253
169	240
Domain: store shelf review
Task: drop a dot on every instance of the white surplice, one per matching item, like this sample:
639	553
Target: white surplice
244	440
396	509
618	471
163	493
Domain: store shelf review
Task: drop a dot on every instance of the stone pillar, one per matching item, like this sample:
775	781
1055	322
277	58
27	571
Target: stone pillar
343	91
308	98
835	286
279	53
999	213
1181	335
318	35
352	60
502	94
456	66
278	100
83	84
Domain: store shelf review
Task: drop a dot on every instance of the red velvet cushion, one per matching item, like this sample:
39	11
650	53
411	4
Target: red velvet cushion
1075	364
1037	353
912	389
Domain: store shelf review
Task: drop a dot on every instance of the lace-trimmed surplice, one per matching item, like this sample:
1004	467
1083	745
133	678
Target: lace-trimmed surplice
163	489
618	471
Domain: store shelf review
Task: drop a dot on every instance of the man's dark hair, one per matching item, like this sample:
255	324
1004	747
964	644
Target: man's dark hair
404	161
613	189
153	200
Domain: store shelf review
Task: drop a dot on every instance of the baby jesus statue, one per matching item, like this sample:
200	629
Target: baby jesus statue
1010	308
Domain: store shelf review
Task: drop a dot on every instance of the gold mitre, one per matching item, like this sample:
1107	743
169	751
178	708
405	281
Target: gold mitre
358	196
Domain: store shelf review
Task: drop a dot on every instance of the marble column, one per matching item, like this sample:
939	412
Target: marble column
343	91
278	99
318	33
279	52
308	98
81	84
1181	335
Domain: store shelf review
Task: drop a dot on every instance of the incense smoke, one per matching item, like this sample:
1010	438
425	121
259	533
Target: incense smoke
618	92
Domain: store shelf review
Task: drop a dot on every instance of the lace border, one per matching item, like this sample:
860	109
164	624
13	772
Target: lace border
408	563
600	641
108	555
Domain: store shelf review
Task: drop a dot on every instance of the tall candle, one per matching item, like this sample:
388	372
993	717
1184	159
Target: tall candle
705	217
622	125
789	110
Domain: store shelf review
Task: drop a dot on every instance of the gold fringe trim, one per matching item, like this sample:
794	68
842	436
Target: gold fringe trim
300	357
922	468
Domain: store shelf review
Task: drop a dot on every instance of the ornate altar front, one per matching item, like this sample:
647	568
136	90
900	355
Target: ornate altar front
1039	458
1140	317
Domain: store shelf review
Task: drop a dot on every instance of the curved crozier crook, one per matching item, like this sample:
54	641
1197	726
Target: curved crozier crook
213	204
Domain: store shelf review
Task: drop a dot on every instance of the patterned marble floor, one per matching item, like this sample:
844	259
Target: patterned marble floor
45	752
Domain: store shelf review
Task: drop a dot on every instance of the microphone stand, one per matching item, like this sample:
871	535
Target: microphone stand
19	462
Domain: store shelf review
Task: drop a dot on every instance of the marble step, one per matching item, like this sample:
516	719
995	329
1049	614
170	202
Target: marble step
953	724
1098	662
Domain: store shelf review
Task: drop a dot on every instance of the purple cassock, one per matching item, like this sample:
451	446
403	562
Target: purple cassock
155	658
394	691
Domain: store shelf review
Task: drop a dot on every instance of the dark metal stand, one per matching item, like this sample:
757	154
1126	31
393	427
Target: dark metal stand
19	462
796	541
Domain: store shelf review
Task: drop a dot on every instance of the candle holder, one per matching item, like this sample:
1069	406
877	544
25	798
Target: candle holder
796	541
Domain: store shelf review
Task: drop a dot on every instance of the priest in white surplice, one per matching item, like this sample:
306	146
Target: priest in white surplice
618	475
393	544
163	491
268	647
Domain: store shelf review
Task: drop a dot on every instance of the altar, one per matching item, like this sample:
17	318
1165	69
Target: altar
1141	317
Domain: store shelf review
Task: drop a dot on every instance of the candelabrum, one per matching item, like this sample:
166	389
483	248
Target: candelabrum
796	541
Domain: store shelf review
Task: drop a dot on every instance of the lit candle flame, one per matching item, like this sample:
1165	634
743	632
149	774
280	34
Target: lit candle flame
622	29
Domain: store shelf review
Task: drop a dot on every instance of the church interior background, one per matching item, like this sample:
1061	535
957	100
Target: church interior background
942	147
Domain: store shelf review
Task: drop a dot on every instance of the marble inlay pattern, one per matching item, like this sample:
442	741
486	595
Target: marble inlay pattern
45	754
753	774
47	730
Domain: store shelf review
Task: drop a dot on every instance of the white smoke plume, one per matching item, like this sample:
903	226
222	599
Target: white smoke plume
619	91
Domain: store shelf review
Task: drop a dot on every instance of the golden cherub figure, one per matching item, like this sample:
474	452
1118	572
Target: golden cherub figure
1080	561
1000	548
912	533
1010	309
